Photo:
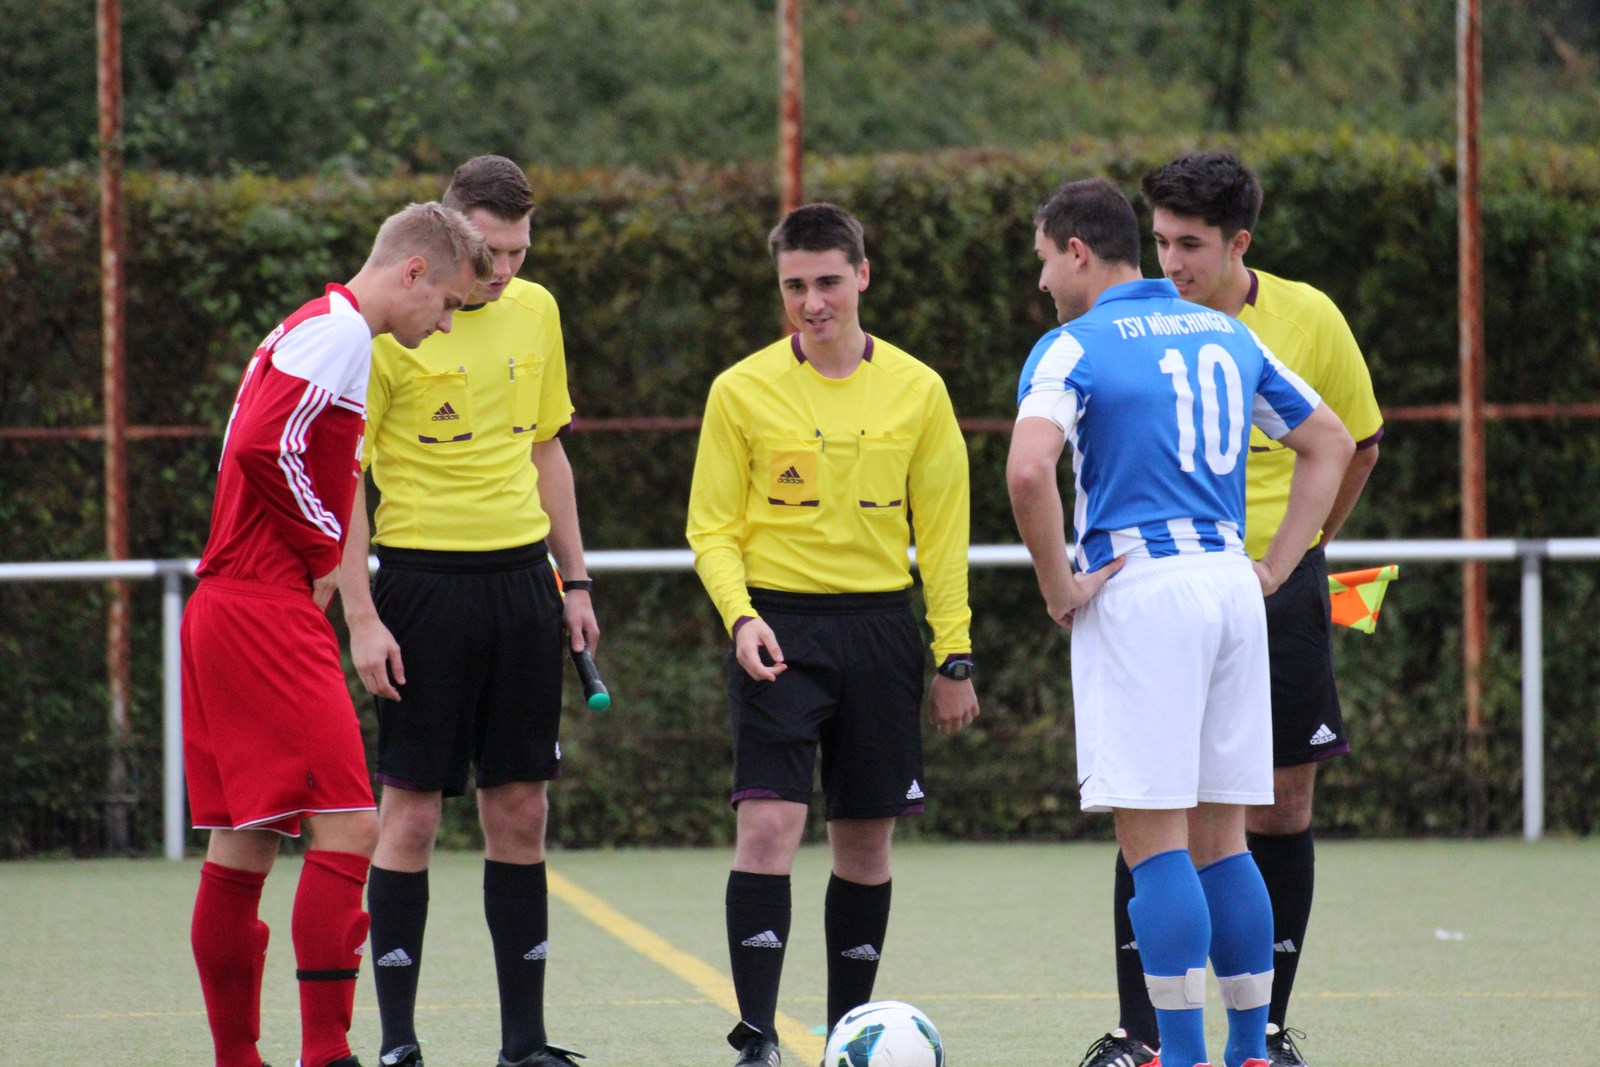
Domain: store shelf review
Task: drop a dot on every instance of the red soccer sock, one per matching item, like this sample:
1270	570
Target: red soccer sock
330	932
230	951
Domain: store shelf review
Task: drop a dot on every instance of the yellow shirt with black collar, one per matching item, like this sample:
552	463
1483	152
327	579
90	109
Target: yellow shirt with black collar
451	422
810	484
1305	331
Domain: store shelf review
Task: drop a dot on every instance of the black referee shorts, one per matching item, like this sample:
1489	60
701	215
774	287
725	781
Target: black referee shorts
1307	723
480	634
853	687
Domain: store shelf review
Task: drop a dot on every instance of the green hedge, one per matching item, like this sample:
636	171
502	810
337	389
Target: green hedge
663	281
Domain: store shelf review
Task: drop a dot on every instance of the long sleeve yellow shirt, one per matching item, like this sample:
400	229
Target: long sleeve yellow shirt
810	484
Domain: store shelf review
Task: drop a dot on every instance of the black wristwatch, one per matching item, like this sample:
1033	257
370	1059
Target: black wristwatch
957	668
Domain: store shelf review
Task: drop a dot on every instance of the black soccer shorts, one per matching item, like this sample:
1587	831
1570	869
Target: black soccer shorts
1307	722
853	688
480	634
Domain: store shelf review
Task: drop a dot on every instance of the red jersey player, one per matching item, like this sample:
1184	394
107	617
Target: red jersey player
270	734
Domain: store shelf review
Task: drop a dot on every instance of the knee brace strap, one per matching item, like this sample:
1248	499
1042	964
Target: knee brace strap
1245	991
1178	992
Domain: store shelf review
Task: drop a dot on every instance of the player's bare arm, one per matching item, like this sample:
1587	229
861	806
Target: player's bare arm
373	649
1036	446
1322	448
1355	480
559	497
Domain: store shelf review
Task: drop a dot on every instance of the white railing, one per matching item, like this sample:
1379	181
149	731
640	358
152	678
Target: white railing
1531	553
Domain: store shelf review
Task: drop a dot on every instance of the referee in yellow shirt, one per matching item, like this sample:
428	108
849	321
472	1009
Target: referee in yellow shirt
819	455
461	638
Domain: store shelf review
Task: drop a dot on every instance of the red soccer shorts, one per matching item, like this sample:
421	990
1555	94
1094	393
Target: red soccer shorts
269	732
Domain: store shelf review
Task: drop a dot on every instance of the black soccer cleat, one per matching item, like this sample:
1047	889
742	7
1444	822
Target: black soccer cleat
1281	1050
755	1048
1117	1049
401	1056
549	1056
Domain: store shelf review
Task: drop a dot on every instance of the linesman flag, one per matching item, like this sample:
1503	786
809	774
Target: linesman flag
1357	596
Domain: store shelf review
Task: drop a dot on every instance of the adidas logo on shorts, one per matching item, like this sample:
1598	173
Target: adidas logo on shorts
1323	736
915	792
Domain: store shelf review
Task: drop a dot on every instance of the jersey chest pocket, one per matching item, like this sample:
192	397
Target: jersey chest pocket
791	474
881	472
444	408
526	382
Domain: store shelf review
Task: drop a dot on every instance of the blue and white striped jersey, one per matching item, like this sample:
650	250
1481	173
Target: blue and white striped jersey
1156	396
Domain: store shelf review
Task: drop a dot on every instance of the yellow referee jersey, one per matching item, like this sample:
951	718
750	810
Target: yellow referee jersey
1305	331
810	484
450	424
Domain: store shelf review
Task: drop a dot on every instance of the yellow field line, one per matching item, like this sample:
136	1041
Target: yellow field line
934	998
707	980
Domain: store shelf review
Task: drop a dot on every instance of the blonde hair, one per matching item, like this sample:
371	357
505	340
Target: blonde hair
438	234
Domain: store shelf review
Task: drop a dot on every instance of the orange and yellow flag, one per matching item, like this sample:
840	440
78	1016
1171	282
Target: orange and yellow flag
1357	596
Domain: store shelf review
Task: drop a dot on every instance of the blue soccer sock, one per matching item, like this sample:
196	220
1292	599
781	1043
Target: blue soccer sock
1241	951
1174	927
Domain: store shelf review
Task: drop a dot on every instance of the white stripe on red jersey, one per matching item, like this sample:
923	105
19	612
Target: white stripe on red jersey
290	458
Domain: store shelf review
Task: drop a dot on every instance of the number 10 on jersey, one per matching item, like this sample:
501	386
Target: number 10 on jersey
1222	455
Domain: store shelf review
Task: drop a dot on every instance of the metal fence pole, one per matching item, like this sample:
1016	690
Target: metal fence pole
1531	555
1532	692
172	716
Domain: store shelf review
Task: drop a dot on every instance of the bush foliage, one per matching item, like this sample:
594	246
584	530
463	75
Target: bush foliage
665	280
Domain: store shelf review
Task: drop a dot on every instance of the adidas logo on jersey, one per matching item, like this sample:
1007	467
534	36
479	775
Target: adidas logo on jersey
1285	946
541	951
791	477
861	952
395	958
915	792
1323	736
445	413
765	939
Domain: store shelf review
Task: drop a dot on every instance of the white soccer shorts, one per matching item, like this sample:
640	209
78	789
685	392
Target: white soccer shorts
1170	686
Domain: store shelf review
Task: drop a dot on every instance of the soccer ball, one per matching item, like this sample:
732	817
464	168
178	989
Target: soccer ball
885	1033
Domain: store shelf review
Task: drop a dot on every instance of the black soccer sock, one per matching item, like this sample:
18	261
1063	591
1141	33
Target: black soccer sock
398	904
758	929
855	919
1288	865
516	903
1137	1017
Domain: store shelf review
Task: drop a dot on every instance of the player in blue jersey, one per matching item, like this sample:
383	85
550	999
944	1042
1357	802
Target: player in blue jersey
1169	661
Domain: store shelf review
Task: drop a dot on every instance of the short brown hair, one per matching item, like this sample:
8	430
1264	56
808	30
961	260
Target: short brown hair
1214	187
438	234
1095	212
492	183
819	228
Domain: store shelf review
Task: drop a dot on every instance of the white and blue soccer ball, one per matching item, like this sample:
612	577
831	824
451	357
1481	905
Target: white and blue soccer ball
885	1033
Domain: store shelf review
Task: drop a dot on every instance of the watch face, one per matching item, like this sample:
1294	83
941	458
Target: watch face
960	670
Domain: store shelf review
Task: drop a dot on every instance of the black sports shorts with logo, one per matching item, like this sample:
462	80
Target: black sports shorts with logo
853	687
1307	724
480	635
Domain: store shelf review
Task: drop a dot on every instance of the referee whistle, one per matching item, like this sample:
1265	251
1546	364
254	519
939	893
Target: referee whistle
595	693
